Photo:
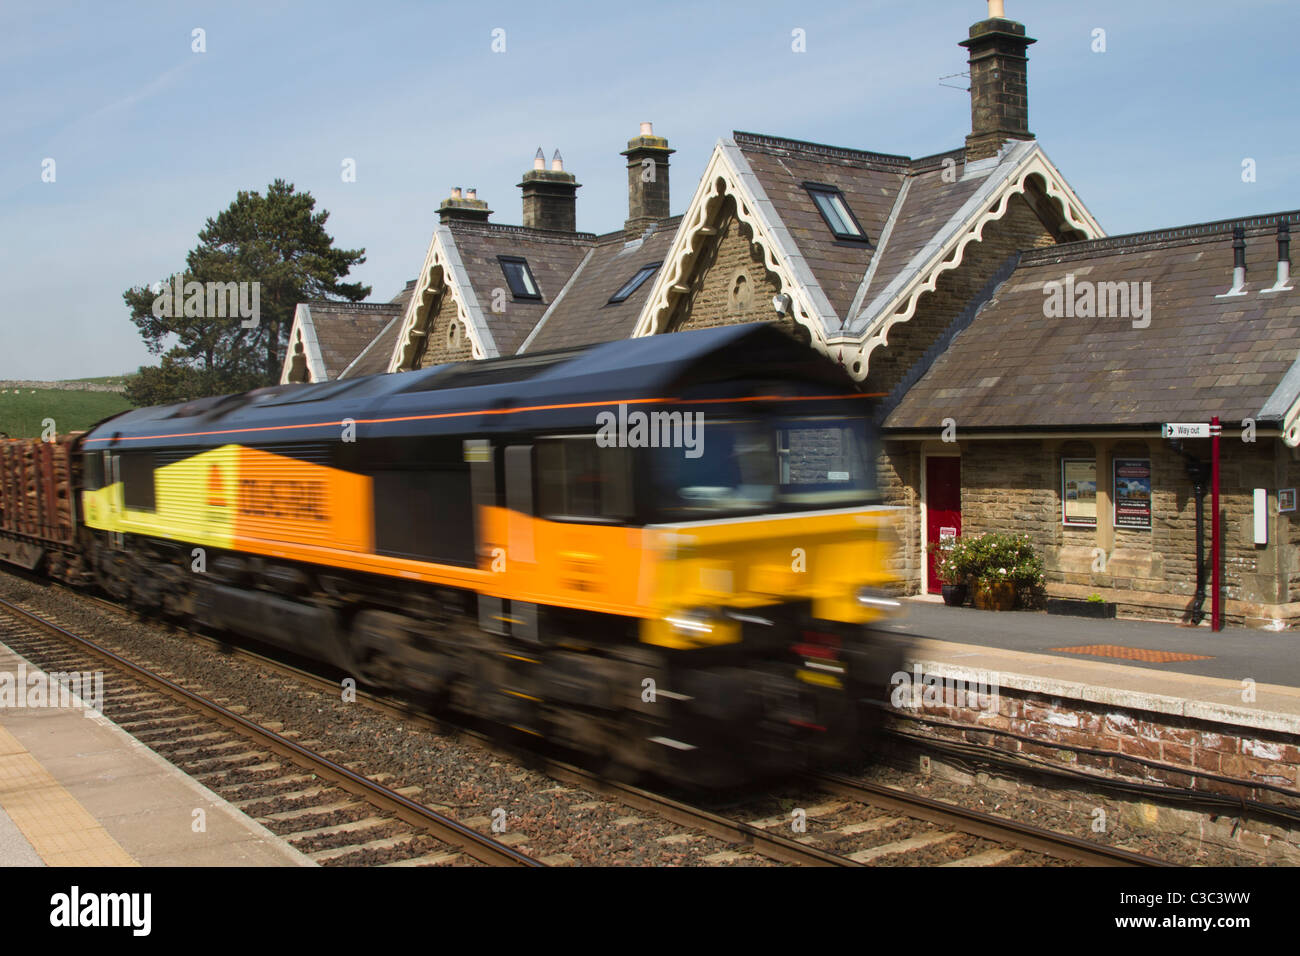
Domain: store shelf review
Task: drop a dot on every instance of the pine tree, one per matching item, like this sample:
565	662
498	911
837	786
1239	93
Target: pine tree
277	241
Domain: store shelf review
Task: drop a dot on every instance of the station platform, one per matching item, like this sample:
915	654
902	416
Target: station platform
1241	676
76	790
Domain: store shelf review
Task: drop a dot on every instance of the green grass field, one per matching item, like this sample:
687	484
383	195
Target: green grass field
21	414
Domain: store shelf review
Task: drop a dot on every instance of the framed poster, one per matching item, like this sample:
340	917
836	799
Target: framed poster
1079	492
1286	499
1133	493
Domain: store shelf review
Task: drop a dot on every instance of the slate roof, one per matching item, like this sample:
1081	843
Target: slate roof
911	210
345	329
1015	367
552	258
907	207
869	181
926	206
377	356
583	314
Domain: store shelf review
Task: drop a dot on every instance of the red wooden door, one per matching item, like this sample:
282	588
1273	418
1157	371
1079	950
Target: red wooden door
942	508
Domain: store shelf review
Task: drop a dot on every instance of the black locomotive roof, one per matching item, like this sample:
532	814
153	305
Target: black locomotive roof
565	388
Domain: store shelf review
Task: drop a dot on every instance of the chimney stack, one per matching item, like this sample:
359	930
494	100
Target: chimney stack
999	87
550	195
463	208
647	180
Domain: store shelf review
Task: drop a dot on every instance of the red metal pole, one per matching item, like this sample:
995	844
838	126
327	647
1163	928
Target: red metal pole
1216	603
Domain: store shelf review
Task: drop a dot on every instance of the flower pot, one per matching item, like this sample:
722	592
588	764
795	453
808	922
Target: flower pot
1000	596
954	595
1096	609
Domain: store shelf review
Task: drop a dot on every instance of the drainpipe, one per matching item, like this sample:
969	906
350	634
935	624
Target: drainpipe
1199	473
1216	606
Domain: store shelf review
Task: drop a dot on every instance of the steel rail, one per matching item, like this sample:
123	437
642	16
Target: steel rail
469	841
1024	835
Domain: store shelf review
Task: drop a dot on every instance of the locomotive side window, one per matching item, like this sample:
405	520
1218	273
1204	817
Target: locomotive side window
137	472
92	470
577	480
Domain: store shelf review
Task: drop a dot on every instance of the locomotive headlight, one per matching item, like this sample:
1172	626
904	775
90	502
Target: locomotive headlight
878	600
694	623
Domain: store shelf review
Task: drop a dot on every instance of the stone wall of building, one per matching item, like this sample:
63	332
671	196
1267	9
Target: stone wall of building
1019	229
1015	486
1288	524
447	340
730	284
898	476
1007	486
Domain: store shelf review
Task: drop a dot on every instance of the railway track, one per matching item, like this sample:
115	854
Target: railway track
859	823
952	819
326	810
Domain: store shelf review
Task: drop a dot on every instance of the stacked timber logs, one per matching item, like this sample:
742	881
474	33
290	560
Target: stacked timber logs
37	489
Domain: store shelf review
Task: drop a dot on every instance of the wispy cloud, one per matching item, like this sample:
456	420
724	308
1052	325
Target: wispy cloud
157	85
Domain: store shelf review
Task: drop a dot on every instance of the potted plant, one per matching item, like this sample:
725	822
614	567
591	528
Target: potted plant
1005	570
1093	606
950	568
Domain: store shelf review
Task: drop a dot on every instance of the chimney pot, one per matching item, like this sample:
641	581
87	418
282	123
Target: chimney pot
647	129
550	195
996	9
463	206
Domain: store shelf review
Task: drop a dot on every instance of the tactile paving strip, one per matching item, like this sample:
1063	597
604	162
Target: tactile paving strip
59	828
1133	653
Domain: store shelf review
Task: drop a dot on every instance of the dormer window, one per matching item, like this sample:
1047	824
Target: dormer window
830	203
634	283
520	277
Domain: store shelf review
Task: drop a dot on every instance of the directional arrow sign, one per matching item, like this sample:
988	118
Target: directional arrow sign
1185	430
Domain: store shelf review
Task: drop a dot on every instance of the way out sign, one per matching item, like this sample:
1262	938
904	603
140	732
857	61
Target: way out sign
1185	430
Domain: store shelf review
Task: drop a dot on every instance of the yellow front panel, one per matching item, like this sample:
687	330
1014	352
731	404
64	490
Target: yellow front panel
194	502
822	557
659	573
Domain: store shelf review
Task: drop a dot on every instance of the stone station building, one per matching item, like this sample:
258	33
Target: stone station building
1025	362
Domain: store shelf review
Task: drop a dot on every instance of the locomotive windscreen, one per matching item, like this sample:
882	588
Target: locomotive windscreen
746	466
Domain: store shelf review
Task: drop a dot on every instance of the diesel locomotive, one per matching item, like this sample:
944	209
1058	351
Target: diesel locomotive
665	553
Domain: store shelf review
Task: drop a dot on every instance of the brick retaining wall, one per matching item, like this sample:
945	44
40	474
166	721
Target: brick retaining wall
1220	749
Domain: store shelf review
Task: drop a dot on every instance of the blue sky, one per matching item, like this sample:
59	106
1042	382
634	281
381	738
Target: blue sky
150	138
